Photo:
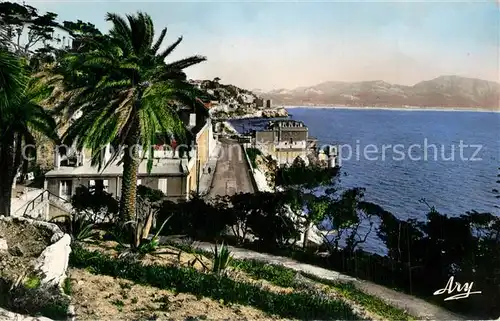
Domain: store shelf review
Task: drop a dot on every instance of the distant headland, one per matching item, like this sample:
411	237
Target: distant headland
442	93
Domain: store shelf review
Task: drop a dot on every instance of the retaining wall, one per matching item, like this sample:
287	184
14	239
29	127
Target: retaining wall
249	163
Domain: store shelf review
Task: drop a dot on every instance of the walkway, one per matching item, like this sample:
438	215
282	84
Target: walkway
18	203
232	172
415	306
207	178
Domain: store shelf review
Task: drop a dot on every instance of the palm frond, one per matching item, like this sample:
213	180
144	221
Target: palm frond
159	41
186	62
170	49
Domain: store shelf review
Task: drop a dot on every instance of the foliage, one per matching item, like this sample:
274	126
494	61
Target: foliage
266	216
345	216
32	282
151	245
252	155
12	80
300	305
222	258
298	175
126	93
286	277
370	302
276	274
78	225
196	218
465	247
101	205
21	118
32	298
18	20
150	194
140	227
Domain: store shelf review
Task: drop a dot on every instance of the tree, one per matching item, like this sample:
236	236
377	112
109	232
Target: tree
305	181
21	115
345	216
316	212
126	94
17	19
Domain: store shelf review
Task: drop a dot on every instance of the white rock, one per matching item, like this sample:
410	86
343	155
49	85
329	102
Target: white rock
9	316
53	261
3	245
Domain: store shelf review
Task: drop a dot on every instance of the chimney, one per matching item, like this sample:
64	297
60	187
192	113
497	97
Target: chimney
57	158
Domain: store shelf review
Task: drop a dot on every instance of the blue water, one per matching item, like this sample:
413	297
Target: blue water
398	184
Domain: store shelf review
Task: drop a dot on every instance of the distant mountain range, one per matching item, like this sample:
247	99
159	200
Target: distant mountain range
444	91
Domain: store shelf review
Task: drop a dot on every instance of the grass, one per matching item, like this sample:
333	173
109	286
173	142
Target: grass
370	302
286	277
301	305
67	286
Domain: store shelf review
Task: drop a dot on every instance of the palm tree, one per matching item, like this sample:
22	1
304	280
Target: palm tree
21	116
126	94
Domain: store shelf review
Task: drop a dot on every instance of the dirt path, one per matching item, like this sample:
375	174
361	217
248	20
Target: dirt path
232	172
415	306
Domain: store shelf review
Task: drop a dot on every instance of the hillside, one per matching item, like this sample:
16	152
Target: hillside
235	102
444	91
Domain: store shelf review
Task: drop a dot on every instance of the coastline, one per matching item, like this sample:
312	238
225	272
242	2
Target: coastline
449	109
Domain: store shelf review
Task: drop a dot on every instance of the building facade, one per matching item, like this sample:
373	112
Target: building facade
176	170
285	140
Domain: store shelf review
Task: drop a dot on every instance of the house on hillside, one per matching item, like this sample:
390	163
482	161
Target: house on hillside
285	140
176	170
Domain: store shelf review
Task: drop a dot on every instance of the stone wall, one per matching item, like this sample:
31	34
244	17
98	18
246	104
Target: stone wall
52	262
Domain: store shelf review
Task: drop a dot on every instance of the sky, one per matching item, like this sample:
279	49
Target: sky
271	45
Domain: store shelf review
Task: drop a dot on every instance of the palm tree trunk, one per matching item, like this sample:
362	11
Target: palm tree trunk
131	163
8	170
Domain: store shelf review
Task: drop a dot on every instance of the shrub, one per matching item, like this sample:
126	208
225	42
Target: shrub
150	194
101	205
196	218
269	219
34	299
78	225
222	258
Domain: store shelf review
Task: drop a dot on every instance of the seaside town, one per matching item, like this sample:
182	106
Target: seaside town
132	190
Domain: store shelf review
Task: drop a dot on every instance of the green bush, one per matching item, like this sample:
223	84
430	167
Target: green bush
32	298
300	305
252	155
222	258
196	218
150	194
99	203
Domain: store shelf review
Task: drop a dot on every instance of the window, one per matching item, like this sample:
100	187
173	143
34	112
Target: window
65	189
139	182
162	185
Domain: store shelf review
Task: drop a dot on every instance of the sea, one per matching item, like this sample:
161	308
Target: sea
408	160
